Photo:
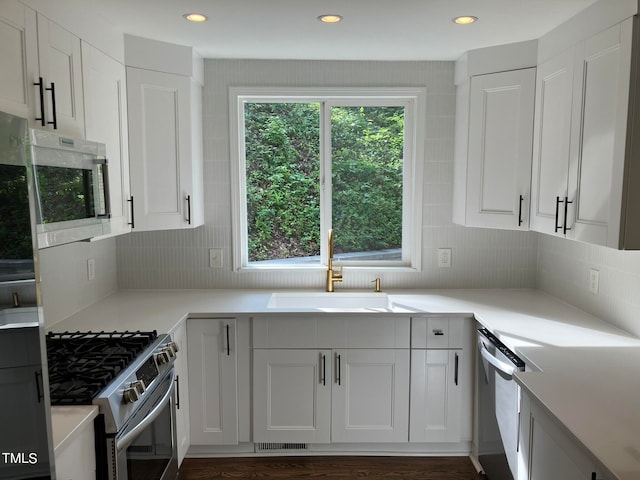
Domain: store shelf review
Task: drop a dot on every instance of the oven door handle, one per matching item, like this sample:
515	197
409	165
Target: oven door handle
124	441
504	367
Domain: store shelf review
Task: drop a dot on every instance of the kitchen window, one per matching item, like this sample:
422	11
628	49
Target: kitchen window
311	160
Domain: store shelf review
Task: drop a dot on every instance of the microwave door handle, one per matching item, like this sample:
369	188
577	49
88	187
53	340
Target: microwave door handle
504	367
126	440
107	192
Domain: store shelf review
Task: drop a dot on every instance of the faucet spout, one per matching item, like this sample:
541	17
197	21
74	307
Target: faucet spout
332	275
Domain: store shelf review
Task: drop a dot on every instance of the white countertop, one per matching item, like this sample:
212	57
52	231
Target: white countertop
66	421
589	379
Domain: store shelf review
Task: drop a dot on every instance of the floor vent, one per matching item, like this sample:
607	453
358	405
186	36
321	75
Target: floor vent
281	447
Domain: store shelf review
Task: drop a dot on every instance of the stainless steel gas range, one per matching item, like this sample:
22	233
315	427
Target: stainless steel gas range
130	377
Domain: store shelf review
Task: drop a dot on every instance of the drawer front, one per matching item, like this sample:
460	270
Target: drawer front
437	332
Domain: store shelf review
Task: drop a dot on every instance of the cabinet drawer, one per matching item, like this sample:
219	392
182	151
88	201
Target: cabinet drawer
437	332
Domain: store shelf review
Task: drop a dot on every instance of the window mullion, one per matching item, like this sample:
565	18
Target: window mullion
325	178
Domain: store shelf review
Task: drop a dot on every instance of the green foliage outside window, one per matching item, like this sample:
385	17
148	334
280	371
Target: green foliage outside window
282	148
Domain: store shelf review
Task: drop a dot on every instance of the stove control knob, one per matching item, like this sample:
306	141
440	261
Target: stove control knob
130	395
169	351
162	358
139	386
173	346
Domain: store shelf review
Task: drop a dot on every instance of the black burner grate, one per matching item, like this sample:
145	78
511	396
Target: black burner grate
81	364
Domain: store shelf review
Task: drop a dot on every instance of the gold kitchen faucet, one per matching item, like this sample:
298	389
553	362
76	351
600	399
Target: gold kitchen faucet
332	276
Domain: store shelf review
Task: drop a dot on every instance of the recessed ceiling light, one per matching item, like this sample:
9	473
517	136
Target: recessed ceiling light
330	18
465	20
195	17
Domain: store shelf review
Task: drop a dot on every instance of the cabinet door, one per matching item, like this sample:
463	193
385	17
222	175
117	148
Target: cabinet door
292	396
213	395
183	430
436	394
162	178
19	59
596	174
60	66
548	453
551	141
106	122
22	415
499	150
370	396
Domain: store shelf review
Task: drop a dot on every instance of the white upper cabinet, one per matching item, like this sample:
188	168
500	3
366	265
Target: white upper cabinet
581	166
19	59
494	129
165	146
41	78
105	98
61	72
552	136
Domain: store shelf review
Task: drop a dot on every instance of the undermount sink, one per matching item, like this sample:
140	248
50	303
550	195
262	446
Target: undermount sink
330	300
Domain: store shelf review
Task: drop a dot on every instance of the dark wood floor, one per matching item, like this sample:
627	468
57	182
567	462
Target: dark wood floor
334	468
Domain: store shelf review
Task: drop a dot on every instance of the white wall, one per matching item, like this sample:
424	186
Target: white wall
179	259
66	288
563	271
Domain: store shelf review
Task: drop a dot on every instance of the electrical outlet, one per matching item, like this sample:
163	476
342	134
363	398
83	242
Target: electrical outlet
215	258
444	257
91	269
594	281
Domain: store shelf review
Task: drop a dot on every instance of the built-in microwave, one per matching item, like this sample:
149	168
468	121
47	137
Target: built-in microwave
71	187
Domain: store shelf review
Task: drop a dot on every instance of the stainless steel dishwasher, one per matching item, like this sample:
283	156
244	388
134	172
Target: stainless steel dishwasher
498	407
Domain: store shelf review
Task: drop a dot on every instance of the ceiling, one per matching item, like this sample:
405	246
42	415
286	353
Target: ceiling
370	29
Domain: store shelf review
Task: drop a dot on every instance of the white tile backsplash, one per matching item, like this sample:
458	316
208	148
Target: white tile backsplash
66	288
563	268
179	259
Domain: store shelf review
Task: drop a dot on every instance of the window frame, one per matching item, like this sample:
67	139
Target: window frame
414	101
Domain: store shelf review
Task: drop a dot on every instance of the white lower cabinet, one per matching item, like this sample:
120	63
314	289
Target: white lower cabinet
322	396
441	395
77	459
435	396
547	452
332	379
179	336
292	396
213	386
369	396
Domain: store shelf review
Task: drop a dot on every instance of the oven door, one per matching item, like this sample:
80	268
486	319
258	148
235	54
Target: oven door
146	448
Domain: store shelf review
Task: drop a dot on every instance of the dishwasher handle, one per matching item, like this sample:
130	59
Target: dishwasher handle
504	367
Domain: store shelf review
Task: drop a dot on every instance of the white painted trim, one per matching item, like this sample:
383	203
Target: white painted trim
414	100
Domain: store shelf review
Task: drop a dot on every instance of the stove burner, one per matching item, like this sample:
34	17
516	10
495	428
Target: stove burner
81	364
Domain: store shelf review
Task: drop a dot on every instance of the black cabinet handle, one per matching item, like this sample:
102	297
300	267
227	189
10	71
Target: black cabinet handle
323	377
54	113
566	206
455	374
189	209
132	222
558	202
228	343
177	392
438	333
520	211
338	368
593	475
41	119
39	386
